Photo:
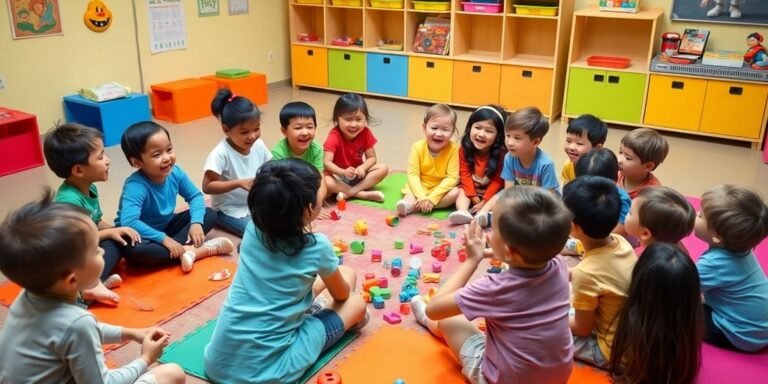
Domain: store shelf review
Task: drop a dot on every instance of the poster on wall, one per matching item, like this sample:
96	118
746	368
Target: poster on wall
237	7
207	8
167	31
34	18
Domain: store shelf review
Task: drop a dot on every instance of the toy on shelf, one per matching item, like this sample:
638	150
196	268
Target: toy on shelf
361	228
392	220
309	37
390	45
628	6
357	247
329	377
392	317
346	41
433	36
757	55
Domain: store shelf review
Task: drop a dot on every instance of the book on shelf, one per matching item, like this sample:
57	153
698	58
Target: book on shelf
433	36
730	59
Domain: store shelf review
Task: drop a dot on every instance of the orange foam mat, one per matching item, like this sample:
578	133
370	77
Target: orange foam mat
151	296
416	357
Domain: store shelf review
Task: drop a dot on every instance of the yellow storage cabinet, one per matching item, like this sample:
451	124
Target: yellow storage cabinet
430	79
734	109
524	87
476	83
309	65
675	102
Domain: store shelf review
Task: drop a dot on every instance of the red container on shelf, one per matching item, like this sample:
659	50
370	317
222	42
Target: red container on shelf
609	61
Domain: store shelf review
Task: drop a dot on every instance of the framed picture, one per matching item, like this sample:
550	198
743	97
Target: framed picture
34	18
237	7
207	8
754	12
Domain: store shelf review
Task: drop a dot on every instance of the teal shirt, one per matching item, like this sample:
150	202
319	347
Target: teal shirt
262	334
313	155
71	195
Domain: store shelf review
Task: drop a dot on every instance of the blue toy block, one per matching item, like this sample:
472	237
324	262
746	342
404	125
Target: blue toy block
110	117
405	297
494	269
414	273
397	262
378	302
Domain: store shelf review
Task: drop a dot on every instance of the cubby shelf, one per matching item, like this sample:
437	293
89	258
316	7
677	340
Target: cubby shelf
492	57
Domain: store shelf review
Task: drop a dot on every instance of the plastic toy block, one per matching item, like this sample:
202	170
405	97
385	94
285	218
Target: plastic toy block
399	244
414	262
357	247
441	252
376	255
370	283
369	276
383	282
392	317
438	235
496	263
366	296
392	220
414	273
337	250
341	259
405	309
452	235
329	377
341	205
335	216
376	292
361	228
405	297
397	262
434	226
378	302
386	293
432	278
494	269
396	271
437	267
399	381
343	245
416	248
462	254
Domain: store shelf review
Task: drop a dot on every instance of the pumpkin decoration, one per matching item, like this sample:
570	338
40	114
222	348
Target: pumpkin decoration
97	16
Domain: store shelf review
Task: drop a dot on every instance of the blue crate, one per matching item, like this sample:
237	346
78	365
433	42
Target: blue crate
110	117
387	74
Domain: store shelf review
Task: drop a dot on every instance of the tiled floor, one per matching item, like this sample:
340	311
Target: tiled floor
693	165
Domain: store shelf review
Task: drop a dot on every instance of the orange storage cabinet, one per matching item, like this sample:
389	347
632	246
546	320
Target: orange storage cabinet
183	100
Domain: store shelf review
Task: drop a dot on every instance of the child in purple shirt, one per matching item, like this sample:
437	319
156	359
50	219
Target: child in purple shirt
528	339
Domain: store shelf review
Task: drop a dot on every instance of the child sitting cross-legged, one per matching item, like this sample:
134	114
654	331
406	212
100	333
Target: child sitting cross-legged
640	153
660	214
52	251
525	307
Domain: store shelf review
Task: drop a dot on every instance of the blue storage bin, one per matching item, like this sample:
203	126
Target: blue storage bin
387	74
110	117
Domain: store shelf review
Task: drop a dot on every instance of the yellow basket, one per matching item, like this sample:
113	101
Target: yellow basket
315	2
348	3
432	5
392	4
535	10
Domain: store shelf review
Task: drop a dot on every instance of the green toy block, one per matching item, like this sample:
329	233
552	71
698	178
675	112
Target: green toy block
385	292
357	247
377	292
399	244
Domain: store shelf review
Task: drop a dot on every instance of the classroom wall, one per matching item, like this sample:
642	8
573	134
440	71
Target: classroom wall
40	71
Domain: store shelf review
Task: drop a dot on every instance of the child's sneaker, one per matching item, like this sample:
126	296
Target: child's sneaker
113	281
459	217
419	309
360	324
483	219
317	305
187	261
403	208
219	246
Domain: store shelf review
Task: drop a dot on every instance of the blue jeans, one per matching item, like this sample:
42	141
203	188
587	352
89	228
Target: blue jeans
231	224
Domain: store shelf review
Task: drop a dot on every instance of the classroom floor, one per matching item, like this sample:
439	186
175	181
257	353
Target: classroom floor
694	165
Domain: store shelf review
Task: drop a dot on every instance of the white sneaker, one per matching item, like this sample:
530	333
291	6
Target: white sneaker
419	309
716	11
735	12
459	217
219	246
483	219
317	305
403	208
113	281
187	261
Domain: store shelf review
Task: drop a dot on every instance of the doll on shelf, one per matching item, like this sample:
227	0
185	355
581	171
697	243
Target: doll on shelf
756	55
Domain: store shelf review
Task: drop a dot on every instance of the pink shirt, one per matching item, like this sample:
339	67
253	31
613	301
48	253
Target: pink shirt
526	317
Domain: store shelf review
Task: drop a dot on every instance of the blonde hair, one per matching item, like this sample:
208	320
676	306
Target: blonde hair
440	110
530	120
737	215
647	144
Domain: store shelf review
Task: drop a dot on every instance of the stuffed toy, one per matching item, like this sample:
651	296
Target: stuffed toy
97	16
756	55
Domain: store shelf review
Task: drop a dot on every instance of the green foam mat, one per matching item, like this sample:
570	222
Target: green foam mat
391	187
188	352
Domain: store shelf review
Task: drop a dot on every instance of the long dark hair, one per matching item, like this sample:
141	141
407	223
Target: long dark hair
481	114
279	197
660	327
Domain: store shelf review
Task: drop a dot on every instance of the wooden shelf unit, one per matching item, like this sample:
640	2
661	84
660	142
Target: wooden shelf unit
505	58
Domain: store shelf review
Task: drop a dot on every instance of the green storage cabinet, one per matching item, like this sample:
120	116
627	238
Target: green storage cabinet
346	70
615	96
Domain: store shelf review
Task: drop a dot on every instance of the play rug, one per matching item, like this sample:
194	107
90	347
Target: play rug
150	296
391	186
188	352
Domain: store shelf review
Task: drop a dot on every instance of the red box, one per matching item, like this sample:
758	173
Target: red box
609	61
20	147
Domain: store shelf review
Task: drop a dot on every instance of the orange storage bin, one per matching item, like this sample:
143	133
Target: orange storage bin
253	86
183	100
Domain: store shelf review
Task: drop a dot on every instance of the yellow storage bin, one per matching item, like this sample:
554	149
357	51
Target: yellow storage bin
476	83
348	3
535	10
391	4
675	102
432	5
734	109
430	79
314	2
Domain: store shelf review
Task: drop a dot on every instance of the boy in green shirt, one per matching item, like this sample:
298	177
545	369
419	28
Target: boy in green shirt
75	153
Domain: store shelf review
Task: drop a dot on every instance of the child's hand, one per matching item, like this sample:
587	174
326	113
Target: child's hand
118	234
475	242
360	172
196	235
173	247
349	173
477	207
427	206
246	184
153	344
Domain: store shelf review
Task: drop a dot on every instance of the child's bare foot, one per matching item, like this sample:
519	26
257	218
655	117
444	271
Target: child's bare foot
113	281
217	246
101	294
376	196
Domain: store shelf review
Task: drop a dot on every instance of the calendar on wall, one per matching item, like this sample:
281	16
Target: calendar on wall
237	7
167	30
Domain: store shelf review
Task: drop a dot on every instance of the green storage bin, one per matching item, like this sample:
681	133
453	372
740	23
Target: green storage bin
610	95
233	73
346	70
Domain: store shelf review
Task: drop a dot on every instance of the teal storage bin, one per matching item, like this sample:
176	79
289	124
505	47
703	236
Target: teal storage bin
387	74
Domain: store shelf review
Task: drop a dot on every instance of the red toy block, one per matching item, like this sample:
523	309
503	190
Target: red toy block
440	253
383	282
376	255
462	254
369	276
437	267
335	216
396	271
392	317
370	283
405	308
329	377
341	205
496	263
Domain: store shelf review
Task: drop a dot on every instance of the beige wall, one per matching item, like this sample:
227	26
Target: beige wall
40	71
